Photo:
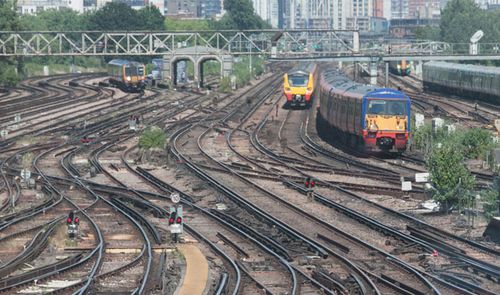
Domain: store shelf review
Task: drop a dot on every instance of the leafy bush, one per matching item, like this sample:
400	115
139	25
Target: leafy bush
225	85
8	75
152	137
422	137
476	143
449	175
490	202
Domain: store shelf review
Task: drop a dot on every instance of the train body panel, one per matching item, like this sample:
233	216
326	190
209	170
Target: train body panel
299	84
371	118
130	76
401	68
475	82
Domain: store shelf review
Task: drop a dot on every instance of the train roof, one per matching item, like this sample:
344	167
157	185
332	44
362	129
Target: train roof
303	68
339	82
463	67
122	62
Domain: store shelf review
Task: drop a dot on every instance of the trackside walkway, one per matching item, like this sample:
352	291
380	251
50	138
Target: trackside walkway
196	275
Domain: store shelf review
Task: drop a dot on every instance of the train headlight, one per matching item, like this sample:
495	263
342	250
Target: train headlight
128	78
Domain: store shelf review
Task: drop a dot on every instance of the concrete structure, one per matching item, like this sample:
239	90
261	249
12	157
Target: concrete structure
198	55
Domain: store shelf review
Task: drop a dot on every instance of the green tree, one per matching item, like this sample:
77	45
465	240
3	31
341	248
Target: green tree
172	24
490	200
240	16
114	16
428	33
476	143
460	19
150	18
451	179
64	19
9	21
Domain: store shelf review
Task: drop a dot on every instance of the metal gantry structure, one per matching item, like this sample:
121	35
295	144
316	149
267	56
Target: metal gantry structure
277	44
264	42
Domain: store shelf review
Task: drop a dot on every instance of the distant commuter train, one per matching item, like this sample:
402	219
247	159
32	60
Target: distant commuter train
401	68
129	76
299	84
369	118
476	82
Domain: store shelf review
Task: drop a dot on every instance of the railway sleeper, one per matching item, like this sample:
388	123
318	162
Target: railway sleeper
264	239
466	285
402	285
332	283
32	250
29	276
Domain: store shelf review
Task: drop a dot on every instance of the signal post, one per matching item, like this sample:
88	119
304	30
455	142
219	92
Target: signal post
310	183
176	218
73	223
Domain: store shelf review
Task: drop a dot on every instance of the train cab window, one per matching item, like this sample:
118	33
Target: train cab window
376	107
298	81
140	71
128	71
396	108
386	107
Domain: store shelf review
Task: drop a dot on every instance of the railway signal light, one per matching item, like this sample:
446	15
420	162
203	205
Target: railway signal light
310	182
171	220
175	221
72	222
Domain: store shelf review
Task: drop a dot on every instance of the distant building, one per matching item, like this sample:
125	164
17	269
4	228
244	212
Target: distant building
399	9
210	8
493	6
379	25
36	6
405	28
361	8
424	8
366	24
317	14
268	10
182	8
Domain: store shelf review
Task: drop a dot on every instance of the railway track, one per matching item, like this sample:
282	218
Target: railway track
243	199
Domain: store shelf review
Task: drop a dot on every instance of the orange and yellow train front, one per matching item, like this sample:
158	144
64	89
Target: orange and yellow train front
298	88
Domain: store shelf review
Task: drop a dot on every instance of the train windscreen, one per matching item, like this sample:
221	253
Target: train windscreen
386	107
298	81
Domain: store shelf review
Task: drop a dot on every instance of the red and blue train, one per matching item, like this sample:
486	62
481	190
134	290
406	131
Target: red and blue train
370	118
